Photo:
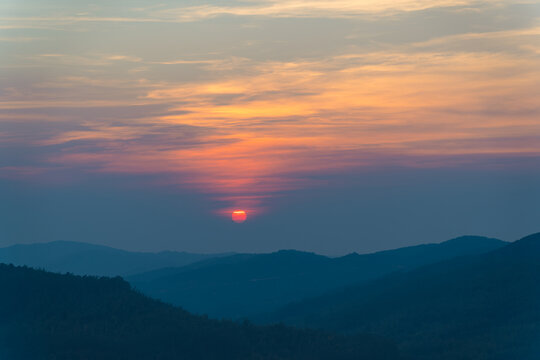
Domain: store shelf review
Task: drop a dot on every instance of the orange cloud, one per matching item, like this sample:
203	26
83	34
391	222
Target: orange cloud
260	128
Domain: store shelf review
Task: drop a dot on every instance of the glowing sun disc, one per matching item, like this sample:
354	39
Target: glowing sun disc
239	216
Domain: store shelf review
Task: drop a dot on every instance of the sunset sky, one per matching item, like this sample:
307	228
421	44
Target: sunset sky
338	126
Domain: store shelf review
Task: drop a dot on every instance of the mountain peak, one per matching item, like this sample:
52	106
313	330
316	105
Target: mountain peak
293	252
530	243
531	238
469	239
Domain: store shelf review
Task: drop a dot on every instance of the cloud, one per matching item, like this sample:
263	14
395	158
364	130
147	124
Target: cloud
269	132
246	125
166	13
310	8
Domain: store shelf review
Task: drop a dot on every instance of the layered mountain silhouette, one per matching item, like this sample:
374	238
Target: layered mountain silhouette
89	259
53	316
246	284
483	306
464	299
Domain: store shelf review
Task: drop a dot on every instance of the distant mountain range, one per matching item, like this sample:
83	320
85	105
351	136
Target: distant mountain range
247	284
484	306
470	298
236	285
89	259
51	316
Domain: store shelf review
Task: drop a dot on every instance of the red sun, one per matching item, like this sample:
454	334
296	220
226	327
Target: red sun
239	216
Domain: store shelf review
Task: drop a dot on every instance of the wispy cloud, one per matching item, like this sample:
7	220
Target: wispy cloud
306	9
287	121
164	13
246	124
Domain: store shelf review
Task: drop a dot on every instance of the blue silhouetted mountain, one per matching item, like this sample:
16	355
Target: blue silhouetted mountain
89	259
246	284
52	316
474	307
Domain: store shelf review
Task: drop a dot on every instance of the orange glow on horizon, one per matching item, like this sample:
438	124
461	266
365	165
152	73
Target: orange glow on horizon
244	128
286	121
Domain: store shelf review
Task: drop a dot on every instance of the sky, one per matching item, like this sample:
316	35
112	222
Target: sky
338	126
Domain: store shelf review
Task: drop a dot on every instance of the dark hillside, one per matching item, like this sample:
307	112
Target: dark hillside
52	316
475	307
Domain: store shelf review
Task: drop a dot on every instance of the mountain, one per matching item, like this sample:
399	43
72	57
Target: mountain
246	284
475	307
90	259
53	316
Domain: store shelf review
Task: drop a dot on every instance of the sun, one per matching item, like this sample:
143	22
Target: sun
239	216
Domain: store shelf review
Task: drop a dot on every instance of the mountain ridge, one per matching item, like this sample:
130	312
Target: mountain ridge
92	259
485	304
249	284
